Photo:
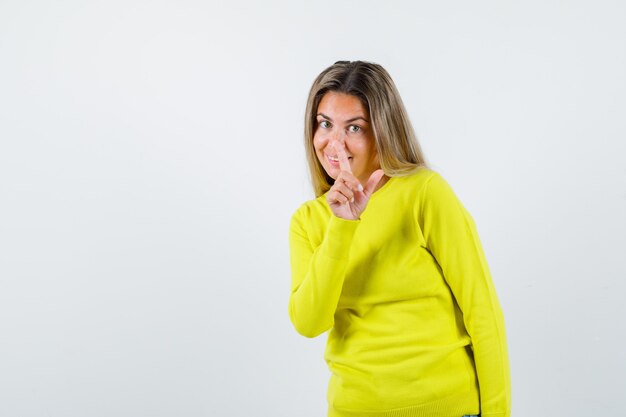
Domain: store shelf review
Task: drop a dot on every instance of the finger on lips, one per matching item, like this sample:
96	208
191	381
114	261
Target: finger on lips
344	163
346	182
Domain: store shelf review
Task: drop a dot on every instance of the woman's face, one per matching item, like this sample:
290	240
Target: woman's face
342	120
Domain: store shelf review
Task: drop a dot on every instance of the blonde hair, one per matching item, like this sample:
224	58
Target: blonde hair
399	152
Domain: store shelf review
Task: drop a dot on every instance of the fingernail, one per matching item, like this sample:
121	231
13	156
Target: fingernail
360	187
352	200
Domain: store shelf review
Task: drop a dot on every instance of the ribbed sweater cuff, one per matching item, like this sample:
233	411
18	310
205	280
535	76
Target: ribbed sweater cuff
339	234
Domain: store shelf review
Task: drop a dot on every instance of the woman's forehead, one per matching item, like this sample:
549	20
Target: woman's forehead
341	106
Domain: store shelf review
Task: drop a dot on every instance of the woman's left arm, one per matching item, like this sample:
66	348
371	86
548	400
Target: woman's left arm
452	238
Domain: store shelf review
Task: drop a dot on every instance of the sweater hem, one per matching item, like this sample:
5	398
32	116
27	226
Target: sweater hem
452	406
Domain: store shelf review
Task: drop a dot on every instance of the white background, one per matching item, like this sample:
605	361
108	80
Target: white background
151	156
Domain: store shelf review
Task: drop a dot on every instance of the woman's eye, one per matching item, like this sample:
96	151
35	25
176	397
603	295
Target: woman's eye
356	128
322	123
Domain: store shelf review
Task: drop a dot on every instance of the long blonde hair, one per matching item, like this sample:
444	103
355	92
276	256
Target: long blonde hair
399	152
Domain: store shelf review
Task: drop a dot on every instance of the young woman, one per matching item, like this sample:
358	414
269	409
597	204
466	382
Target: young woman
388	259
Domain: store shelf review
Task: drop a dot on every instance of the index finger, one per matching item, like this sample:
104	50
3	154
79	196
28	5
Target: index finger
344	164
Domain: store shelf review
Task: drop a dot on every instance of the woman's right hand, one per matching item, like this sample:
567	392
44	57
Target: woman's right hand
347	198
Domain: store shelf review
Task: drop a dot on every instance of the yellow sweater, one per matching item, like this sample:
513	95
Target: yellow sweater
416	328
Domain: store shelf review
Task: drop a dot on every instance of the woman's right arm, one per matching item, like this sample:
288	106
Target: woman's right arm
317	273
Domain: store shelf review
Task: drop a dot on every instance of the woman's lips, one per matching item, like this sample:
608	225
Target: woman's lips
334	163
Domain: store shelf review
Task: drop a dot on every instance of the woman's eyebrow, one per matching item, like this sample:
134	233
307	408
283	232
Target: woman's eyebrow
347	121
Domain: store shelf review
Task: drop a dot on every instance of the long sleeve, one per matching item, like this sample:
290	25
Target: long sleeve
451	237
317	273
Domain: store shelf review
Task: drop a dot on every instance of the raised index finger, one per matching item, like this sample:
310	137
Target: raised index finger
344	164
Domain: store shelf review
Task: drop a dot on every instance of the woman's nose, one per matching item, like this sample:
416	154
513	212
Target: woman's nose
336	144
337	138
